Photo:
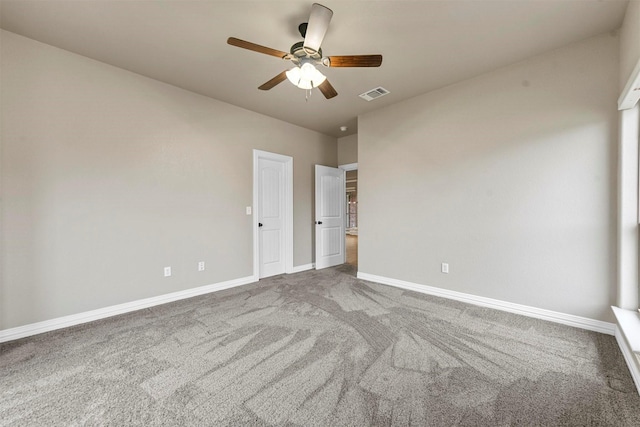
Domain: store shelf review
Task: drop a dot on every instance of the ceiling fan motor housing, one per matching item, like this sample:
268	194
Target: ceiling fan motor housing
299	51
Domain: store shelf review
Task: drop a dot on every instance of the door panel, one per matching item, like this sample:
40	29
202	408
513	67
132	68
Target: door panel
271	246
330	217
331	190
271	180
331	237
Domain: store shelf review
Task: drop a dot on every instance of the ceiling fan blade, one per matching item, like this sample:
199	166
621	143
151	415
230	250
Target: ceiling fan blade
327	90
318	24
355	61
257	48
274	81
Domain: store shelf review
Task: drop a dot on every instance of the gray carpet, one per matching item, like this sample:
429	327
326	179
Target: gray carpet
317	349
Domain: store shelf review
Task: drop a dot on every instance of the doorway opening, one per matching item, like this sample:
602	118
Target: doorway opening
351	226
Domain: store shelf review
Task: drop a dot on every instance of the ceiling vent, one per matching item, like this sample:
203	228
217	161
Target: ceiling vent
372	94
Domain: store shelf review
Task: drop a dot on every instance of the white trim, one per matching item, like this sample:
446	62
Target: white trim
629	96
304	267
349	167
629	357
254	220
288	215
627	217
345	221
288	250
629	323
114	310
524	310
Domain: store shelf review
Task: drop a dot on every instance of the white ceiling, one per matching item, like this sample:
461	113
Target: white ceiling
426	44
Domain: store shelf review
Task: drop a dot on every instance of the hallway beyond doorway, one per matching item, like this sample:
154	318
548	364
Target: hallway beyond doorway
352	250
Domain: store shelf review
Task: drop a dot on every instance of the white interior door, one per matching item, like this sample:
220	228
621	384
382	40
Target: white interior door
271	217
330	217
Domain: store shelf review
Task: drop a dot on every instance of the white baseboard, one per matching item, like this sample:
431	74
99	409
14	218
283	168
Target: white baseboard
305	267
525	310
629	357
101	313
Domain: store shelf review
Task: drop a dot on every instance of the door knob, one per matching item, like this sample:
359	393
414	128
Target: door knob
259	224
318	222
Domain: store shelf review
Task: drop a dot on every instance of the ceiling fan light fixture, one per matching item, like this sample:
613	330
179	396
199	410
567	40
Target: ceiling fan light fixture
306	76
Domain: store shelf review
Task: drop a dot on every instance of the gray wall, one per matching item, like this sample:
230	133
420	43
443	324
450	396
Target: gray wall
509	177
629	42
108	176
348	149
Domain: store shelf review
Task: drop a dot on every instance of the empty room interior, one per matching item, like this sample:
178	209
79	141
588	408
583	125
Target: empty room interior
354	213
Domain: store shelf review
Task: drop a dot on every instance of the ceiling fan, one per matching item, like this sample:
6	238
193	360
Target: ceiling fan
307	54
